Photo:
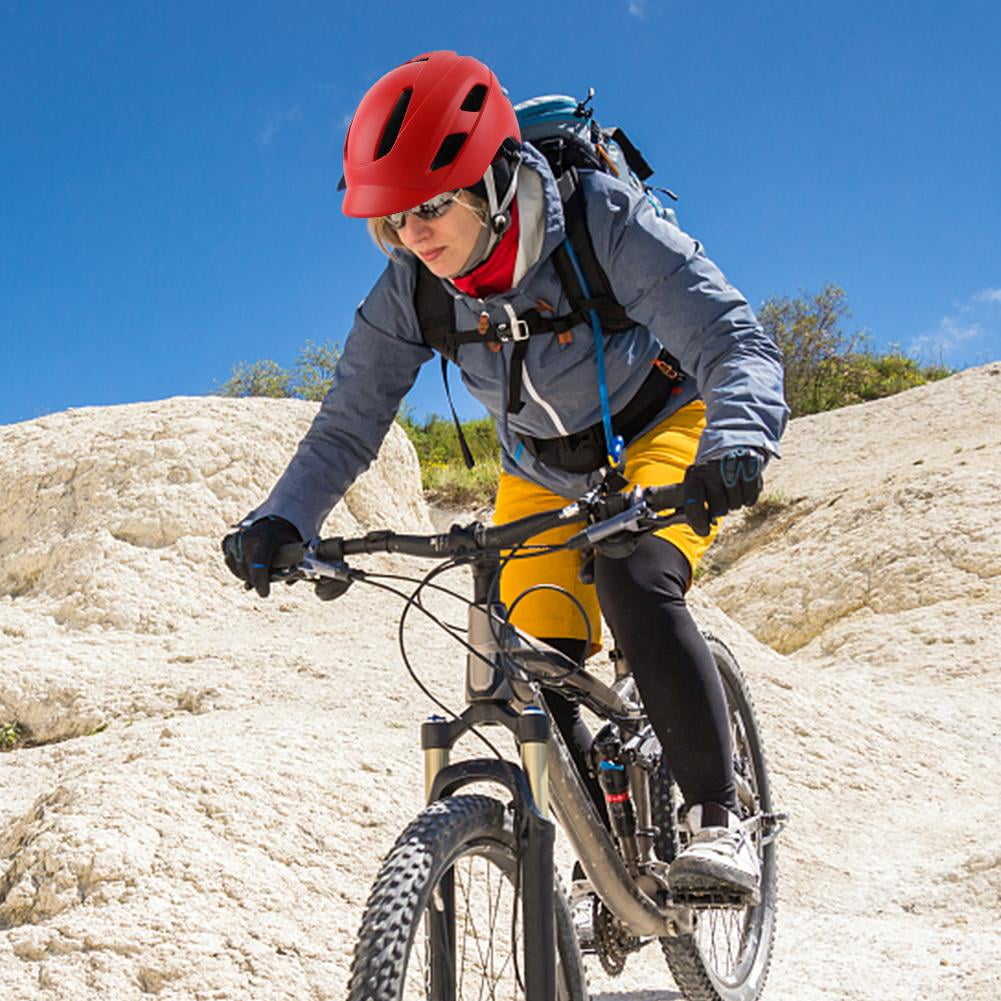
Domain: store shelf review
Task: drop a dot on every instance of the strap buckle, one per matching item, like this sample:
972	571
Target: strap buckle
519	328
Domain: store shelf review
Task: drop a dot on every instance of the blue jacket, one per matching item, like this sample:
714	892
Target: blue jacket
677	296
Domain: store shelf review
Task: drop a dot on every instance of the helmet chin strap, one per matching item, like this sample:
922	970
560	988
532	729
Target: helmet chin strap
497	222
498	218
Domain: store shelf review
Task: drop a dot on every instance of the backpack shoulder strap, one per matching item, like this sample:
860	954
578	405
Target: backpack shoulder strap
435	314
436	318
614	318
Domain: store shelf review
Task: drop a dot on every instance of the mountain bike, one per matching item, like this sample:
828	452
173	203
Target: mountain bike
466	903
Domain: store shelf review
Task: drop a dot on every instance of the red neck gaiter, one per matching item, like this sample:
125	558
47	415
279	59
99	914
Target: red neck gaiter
496	273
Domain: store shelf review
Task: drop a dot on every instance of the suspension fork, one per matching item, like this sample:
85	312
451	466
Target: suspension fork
529	787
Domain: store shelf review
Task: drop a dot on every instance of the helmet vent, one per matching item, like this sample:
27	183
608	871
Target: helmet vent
449	149
474	99
394	123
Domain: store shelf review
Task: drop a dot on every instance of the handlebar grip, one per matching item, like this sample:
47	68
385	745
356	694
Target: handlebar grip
384	542
336	548
662	498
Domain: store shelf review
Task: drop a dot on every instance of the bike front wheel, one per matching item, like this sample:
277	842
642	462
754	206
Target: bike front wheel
443	920
726	957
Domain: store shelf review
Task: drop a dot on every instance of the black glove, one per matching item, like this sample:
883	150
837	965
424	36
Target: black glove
249	551
719	485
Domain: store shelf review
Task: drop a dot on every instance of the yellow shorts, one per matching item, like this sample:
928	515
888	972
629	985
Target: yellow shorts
658	457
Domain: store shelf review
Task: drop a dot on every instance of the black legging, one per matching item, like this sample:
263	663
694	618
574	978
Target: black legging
643	599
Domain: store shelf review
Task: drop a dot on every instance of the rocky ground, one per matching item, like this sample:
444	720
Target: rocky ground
203	783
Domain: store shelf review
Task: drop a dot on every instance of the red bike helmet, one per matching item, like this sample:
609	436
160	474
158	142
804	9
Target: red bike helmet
432	125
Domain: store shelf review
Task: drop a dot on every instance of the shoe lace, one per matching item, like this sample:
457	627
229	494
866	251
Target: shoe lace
723	838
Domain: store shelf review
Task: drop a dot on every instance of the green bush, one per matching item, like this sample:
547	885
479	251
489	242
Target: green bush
444	475
455	486
884	375
309	378
826	367
10	734
436	441
259	378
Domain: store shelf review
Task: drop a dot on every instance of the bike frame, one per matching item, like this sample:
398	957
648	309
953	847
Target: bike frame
496	695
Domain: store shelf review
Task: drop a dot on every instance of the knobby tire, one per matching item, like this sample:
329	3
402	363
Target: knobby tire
428	864
699	972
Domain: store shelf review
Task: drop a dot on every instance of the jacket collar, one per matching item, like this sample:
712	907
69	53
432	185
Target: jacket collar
554	228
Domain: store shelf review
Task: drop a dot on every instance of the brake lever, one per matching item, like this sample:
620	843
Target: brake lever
311	567
627	521
619	535
655	521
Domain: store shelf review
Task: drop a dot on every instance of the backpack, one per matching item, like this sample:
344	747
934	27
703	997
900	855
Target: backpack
565	131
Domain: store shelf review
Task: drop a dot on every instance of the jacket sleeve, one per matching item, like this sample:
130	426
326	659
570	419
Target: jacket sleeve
664	281
378	365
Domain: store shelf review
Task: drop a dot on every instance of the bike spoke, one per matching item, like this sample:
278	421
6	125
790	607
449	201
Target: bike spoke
476	937
462	958
725	936
480	896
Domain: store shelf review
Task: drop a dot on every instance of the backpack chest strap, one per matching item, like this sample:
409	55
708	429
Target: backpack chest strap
517	327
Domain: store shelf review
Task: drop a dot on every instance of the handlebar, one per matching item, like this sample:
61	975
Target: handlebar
609	513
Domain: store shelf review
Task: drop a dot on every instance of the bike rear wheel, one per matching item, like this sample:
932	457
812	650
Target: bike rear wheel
726	957
443	920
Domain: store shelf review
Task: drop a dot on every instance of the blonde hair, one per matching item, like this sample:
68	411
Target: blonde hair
388	239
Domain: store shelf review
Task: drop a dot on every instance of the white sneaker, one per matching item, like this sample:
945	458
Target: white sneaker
720	857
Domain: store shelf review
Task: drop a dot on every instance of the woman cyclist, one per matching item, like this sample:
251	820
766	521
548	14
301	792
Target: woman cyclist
434	160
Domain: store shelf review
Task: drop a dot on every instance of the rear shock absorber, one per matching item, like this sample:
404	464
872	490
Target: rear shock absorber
613	777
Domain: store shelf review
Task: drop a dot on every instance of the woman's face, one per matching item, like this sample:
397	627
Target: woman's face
443	244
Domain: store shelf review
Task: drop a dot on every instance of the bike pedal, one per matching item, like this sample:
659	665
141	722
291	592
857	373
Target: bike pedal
706	899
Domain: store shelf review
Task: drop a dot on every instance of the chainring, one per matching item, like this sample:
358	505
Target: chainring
612	942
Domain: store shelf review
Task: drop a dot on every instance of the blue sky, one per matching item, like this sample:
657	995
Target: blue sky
168	170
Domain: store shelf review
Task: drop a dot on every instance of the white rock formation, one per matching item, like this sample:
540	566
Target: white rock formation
214	778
